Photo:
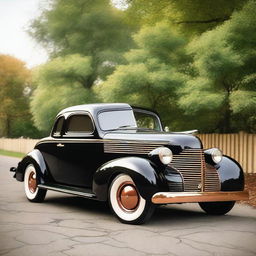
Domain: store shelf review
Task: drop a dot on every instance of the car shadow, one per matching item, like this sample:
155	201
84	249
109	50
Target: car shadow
164	215
78	203
184	214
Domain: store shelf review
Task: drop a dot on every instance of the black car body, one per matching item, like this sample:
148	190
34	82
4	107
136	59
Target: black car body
120	154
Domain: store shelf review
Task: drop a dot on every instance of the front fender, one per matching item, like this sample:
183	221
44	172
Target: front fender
36	158
141	170
231	174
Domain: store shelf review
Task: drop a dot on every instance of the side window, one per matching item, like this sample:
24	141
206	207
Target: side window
147	121
58	127
79	124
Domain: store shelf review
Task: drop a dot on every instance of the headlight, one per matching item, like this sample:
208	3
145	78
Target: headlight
165	155
216	155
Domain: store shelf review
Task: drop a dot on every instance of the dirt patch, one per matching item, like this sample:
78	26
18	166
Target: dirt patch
250	185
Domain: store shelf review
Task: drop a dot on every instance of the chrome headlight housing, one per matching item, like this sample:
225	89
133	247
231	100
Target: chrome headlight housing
161	155
216	154
165	155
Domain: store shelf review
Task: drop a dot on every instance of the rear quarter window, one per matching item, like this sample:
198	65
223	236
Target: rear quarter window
57	130
79	124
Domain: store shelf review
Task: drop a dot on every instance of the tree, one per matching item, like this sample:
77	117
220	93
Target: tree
152	74
87	27
192	17
189	84
61	83
86	40
15	119
223	85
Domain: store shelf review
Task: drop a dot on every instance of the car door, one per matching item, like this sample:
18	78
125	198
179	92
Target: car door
80	153
51	150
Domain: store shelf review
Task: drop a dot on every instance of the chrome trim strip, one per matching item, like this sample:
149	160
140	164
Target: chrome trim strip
195	197
67	191
130	148
110	141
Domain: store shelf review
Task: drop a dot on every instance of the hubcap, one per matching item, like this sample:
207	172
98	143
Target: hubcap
127	196
32	182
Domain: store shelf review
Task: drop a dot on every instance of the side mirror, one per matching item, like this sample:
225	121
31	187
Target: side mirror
166	129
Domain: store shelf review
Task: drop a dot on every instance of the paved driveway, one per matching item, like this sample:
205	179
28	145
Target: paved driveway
67	225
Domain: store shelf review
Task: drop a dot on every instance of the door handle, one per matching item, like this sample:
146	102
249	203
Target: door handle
60	145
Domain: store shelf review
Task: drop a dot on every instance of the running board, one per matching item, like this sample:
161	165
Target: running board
67	190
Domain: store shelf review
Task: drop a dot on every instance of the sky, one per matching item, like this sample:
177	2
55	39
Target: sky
15	16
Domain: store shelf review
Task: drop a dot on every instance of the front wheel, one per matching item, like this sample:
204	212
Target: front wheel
33	193
217	208
126	202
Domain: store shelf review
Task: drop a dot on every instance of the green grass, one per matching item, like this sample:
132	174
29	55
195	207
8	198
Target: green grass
11	153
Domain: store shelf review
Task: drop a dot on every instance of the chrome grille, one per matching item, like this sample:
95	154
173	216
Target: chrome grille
212	180
196	177
189	164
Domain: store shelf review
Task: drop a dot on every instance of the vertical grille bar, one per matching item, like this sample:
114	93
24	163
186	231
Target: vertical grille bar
201	186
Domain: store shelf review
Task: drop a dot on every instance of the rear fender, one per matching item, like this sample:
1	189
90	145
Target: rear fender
36	158
142	171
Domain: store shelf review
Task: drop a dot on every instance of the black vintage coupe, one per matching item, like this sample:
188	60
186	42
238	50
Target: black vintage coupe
120	154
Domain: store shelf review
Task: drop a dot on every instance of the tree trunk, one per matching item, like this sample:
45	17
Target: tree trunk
224	125
227	118
8	127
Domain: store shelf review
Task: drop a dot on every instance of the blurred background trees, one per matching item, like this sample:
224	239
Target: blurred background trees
15	117
86	40
61	82
190	17
224	74
191	60
154	71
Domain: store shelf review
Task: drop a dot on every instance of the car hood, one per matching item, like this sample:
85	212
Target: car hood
175	139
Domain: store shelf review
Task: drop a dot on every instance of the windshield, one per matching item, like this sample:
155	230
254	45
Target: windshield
111	120
147	120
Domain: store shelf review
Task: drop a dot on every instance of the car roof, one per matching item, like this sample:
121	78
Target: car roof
145	109
95	108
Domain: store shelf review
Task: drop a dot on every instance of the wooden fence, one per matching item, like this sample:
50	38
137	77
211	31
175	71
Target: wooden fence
17	145
240	146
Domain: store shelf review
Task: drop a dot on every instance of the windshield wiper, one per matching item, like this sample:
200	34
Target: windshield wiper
124	127
127	126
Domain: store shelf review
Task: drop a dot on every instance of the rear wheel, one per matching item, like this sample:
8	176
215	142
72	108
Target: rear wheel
217	208
126	202
33	193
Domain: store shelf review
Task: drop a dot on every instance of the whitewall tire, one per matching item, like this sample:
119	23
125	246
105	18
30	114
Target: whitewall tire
126	202
33	193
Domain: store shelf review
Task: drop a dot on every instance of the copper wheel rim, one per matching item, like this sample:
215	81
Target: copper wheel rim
32	182
127	197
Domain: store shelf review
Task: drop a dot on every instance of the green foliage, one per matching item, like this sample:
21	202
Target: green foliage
189	16
89	28
66	70
86	40
11	153
61	83
224	67
151	77
205	81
